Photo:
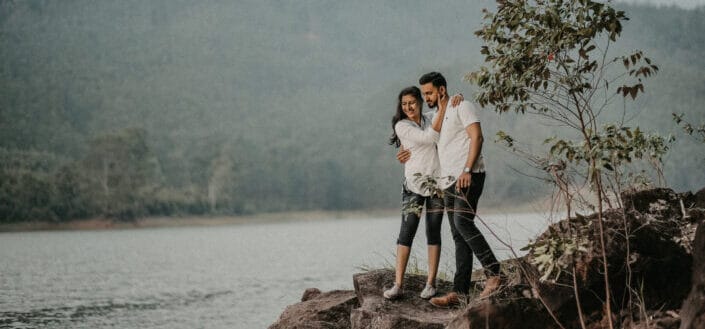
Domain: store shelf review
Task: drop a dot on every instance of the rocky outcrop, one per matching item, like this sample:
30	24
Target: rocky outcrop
498	313
319	311
647	245
654	256
696	200
408	312
693	311
366	308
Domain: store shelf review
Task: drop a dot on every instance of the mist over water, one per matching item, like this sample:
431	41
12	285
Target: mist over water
160	108
688	4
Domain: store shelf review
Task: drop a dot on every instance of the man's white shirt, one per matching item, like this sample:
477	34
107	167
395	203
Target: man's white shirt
454	143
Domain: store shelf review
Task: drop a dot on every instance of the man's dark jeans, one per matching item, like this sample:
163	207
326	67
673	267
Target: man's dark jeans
460	207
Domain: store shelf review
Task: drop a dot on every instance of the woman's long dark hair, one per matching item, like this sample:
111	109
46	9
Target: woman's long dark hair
400	115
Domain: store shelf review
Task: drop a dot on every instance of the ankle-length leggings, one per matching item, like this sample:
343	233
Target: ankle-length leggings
412	204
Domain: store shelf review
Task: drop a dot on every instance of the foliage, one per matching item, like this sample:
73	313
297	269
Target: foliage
26	185
550	58
557	251
697	131
429	184
122	169
613	147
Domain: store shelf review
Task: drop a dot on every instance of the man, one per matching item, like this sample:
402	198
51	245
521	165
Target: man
462	180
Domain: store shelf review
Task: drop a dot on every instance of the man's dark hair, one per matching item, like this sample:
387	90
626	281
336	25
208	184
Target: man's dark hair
435	78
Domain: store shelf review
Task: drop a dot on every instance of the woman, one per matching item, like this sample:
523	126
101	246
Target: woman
418	133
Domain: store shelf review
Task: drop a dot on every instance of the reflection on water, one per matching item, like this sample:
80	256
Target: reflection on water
63	316
240	276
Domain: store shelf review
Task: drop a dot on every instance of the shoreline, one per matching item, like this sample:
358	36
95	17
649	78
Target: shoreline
95	224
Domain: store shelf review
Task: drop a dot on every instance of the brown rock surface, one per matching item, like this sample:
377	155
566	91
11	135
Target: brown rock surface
328	310
410	311
693	310
310	293
520	313
657	251
699	199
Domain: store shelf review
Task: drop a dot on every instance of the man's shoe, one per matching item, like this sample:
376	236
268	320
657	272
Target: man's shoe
491	286
393	292
428	292
449	299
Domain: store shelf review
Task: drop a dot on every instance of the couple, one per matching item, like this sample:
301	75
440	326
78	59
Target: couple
445	146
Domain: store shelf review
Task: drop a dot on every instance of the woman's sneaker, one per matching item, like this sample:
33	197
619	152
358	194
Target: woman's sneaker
428	291
393	292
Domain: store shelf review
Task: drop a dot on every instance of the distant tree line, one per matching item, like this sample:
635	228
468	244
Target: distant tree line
120	177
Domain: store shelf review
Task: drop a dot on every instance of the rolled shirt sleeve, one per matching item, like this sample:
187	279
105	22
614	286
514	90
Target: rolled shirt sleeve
421	141
409	131
467	114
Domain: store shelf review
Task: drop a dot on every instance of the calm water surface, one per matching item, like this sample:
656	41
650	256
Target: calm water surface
240	276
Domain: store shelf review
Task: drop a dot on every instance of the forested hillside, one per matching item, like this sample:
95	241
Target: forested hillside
164	107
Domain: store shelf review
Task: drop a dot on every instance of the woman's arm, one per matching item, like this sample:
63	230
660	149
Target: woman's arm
440	114
408	131
438	119
403	155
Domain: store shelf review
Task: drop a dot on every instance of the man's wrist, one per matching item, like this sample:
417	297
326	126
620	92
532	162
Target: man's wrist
467	170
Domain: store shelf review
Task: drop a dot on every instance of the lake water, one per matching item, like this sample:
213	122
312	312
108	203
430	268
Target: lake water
239	276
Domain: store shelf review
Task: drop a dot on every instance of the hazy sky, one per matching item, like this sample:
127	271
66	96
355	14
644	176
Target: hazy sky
680	3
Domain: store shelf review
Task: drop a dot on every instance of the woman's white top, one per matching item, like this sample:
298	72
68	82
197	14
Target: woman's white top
421	141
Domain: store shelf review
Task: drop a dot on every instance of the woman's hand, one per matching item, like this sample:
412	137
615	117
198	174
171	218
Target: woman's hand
456	99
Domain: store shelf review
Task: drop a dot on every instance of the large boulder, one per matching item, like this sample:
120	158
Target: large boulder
328	310
502	313
410	311
662	201
366	308
647	245
693	311
697	200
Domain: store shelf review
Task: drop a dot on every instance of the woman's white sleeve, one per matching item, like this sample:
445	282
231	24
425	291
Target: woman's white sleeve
410	132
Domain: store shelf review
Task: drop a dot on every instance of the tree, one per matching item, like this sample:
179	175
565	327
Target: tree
71	198
696	131
26	185
550	58
123	172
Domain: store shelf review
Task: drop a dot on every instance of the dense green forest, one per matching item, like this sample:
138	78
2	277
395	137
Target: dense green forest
169	107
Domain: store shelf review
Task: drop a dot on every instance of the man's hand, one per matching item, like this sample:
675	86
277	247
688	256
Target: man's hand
463	181
403	155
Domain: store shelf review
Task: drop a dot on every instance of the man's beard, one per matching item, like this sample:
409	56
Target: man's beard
432	105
